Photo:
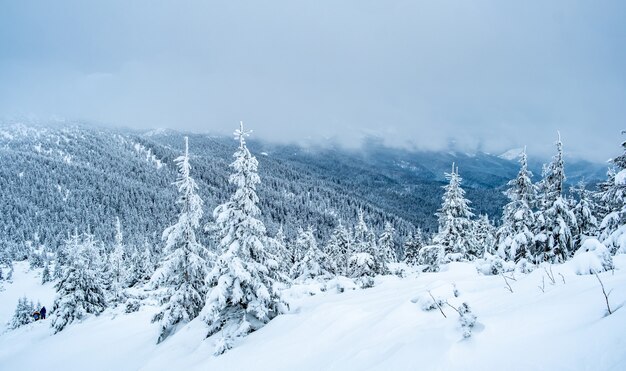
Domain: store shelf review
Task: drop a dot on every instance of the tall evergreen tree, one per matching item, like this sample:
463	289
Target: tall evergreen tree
485	236
584	212
185	266
611	196
339	248
81	289
412	246
314	263
117	265
23	314
515	236
244	295
387	248
555	222
277	247
456	232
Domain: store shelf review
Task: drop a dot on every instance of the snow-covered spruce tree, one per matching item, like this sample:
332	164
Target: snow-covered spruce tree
117	266
45	273
555	222
387	248
315	263
62	254
584	212
485	235
611	196
23	314
431	257
338	248
456	232
142	265
244	295
363	263
515	236
412	246
81	289
362	268
185	266
277	247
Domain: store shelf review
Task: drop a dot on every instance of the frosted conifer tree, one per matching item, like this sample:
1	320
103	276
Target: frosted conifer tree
361	234
516	239
278	248
387	248
23	314
339	248
412	247
556	223
584	212
314	263
117	265
81	289
143	263
244	295
456	233
185	265
485	236
45	274
612	199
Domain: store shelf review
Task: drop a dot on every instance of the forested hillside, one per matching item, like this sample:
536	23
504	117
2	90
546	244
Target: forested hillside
65	177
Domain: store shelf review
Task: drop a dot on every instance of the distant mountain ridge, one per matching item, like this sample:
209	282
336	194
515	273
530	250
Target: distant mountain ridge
61	177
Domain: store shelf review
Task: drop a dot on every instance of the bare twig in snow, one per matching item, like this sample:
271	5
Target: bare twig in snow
543	284
453	307
550	275
606	296
437	304
562	277
507	283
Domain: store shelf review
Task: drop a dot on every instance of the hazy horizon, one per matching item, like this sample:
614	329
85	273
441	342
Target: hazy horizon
485	75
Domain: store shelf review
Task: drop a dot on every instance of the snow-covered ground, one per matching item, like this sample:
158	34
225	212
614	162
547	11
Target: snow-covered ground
381	328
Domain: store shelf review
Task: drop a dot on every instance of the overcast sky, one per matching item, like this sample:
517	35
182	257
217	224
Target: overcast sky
488	75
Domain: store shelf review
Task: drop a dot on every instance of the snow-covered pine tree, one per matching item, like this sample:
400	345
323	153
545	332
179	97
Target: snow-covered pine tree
556	223
185	266
584	212
412	246
61	259
515	236
611	196
315	263
338	248
244	295
143	265
81	289
387	248
485	236
364	263
23	314
278	248
117	266
456	232
45	273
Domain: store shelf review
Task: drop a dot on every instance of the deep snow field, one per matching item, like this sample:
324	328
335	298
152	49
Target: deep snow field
380	328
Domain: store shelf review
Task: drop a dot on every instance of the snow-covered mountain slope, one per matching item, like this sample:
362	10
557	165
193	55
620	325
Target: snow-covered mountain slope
382	328
56	178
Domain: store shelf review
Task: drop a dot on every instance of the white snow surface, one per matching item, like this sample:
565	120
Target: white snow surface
381	328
